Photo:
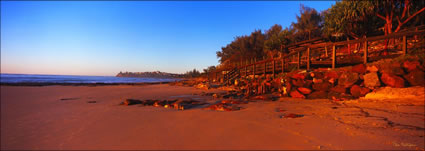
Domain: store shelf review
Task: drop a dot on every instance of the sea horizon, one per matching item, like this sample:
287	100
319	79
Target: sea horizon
58	74
52	78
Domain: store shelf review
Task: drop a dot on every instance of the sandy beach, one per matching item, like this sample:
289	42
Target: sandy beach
60	117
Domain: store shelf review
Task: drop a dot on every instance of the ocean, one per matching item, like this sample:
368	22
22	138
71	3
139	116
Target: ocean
38	78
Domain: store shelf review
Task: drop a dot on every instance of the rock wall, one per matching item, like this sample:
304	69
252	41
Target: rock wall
342	83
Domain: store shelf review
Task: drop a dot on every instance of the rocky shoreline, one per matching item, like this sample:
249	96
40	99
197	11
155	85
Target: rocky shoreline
338	84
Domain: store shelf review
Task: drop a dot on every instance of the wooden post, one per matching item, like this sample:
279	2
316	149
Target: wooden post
326	51
224	78
274	68
253	67
365	52
333	56
246	70
221	77
404	45
308	58
348	46
299	60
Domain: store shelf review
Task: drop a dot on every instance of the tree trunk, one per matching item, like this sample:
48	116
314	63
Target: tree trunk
309	35
388	31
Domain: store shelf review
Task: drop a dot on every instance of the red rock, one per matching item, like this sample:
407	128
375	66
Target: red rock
131	102
277	83
358	91
361	68
291	115
339	96
304	90
298	82
331	74
364	91
332	80
317	80
347	79
317	75
298	76
392	80
296	94
339	89
324	86
266	97
415	78
223	107
371	80
318	95
372	68
411	65
288	87
391	68
308	83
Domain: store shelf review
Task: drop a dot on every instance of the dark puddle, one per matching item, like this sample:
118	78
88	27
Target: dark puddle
291	115
67	99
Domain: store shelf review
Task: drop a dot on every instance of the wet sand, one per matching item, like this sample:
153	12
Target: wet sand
60	117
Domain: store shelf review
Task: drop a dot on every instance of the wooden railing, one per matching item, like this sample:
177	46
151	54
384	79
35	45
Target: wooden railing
342	53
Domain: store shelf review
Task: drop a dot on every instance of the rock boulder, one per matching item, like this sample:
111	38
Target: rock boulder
358	91
361	68
372	68
339	89
411	65
296	94
415	78
371	80
304	90
324	86
392	80
347	79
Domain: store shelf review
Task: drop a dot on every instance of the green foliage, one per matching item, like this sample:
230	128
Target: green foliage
193	73
347	18
276	38
209	70
308	24
350	18
243	48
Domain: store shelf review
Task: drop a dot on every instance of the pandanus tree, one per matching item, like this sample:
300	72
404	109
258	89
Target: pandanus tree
276	38
350	18
359	18
397	13
273	41
308	23
243	48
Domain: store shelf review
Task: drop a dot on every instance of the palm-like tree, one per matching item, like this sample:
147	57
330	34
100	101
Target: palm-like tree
308	22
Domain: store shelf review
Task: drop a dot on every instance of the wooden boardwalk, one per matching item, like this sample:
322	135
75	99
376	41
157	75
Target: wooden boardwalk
310	54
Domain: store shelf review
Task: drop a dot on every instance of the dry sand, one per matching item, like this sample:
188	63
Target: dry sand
37	118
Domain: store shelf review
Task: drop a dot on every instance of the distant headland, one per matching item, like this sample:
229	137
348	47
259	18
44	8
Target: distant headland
154	74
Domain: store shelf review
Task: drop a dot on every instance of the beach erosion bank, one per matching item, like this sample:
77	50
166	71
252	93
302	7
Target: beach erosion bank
83	117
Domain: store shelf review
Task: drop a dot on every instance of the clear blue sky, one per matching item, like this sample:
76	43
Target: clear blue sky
105	37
